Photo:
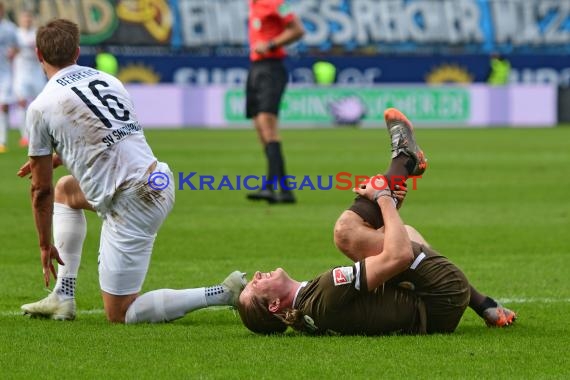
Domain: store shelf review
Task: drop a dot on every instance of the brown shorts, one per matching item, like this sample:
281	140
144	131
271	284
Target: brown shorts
369	211
444	289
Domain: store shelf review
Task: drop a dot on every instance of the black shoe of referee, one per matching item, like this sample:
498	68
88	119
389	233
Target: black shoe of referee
272	197
261	195
283	197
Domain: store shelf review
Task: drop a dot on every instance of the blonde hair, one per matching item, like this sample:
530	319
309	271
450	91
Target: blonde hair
258	319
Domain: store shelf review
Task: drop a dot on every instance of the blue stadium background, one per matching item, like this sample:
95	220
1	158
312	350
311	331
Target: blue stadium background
370	41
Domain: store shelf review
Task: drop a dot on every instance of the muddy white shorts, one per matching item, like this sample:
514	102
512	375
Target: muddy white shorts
129	230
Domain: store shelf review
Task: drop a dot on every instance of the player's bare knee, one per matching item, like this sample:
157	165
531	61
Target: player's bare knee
343	233
116	312
116	306
68	192
62	190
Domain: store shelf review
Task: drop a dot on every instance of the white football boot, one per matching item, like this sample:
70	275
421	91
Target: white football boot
51	307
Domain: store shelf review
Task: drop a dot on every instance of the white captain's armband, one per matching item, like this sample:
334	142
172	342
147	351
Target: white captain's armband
418	260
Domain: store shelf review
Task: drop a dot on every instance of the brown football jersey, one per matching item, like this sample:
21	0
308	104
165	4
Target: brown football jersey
339	302
429	297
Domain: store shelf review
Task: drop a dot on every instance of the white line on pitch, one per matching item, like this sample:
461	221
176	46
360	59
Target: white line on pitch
101	311
534	300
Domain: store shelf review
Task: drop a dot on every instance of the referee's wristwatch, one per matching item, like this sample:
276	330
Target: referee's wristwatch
271	45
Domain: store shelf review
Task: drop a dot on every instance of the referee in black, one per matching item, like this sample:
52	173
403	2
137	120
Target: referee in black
271	27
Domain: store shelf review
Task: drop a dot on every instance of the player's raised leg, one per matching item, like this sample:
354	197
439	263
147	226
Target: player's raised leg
404	142
354	232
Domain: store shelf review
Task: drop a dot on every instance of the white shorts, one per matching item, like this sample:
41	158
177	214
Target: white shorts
128	233
5	87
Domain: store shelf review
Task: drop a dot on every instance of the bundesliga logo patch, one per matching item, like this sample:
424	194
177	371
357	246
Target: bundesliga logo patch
342	276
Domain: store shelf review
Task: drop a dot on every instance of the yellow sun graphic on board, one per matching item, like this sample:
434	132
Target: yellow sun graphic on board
449	74
138	73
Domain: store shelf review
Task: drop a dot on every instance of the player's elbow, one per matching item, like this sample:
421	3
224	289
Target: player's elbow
298	29
41	192
401	257
300	32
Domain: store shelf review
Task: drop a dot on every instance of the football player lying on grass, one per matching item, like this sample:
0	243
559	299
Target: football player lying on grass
397	284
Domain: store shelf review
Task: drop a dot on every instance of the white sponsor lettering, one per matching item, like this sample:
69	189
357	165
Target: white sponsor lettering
366	22
300	75
541	75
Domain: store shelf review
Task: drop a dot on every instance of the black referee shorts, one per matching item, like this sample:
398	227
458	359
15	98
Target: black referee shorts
266	82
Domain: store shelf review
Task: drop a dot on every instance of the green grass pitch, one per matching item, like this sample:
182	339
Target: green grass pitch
495	201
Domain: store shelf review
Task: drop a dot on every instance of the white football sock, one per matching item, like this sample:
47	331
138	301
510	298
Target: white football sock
3	127
165	305
69	230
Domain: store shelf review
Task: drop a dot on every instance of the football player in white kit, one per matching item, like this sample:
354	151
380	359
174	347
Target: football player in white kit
7	51
29	78
88	118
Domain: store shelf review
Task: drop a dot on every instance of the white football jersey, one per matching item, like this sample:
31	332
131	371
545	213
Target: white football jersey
7	41
88	118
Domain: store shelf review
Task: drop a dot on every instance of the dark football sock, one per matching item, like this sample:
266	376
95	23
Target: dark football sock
270	175
276	164
369	211
397	174
480	305
399	170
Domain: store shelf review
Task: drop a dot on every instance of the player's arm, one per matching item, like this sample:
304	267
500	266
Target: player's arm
396	255
294	31
42	194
